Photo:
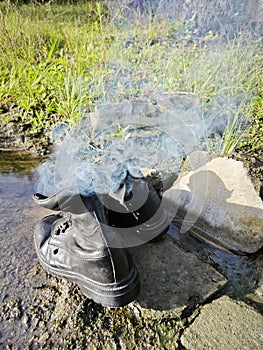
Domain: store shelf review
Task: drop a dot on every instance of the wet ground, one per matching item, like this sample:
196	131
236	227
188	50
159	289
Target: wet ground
179	277
17	254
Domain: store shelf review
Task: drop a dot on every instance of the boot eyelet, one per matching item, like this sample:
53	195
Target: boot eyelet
62	228
55	251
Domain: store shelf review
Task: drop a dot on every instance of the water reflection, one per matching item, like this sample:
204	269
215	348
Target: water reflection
20	163
17	219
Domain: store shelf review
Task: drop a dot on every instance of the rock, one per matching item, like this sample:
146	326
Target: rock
11	309
110	116
44	337
172	279
225	324
219	196
256	296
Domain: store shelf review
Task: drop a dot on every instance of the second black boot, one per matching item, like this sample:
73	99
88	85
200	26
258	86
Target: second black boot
136	212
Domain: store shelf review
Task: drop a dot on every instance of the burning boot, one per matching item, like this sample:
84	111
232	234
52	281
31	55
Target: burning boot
136	211
73	244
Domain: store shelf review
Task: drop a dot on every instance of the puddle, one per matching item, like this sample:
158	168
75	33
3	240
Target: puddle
239	270
16	188
17	255
19	163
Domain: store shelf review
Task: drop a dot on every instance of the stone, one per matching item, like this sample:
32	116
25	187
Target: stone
225	324
109	116
44	337
256	296
172	279
219	196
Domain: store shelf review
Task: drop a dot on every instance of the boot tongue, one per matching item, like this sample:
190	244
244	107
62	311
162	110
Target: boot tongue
124	191
122	178
119	194
130	196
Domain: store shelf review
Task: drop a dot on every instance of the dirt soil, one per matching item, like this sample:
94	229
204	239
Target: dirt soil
253	161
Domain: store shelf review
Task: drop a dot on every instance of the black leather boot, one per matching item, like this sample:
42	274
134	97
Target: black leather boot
137	214
74	245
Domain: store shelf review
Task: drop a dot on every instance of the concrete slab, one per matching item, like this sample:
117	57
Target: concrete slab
173	279
225	324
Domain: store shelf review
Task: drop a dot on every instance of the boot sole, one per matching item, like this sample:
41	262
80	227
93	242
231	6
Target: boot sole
110	295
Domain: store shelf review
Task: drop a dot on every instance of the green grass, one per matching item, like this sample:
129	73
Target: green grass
58	61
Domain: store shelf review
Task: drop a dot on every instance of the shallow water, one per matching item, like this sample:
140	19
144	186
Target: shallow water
240	271
17	256
16	223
